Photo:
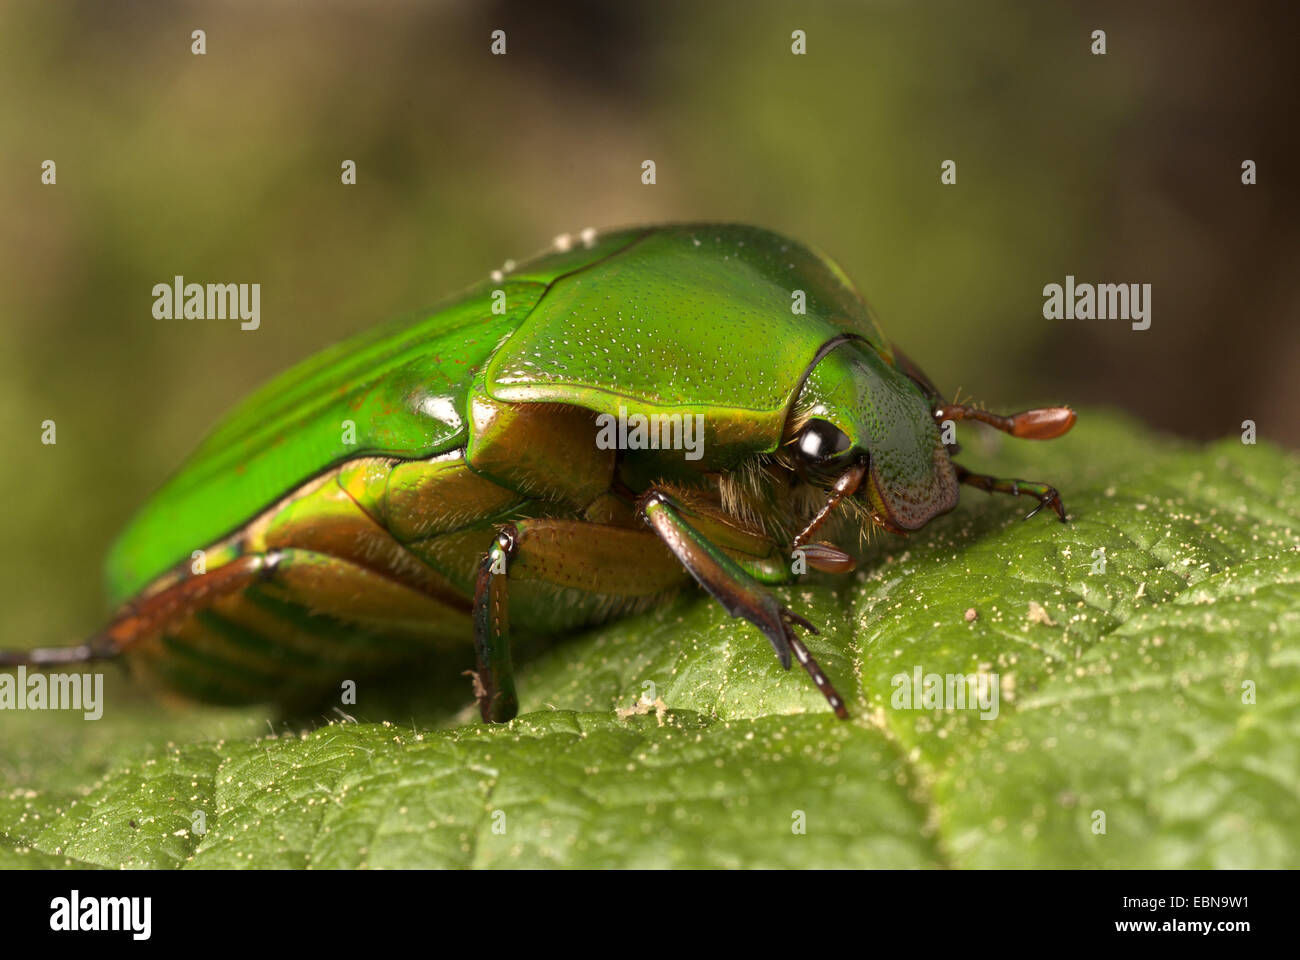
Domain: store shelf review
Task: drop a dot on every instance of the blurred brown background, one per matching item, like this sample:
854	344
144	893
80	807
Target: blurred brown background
225	167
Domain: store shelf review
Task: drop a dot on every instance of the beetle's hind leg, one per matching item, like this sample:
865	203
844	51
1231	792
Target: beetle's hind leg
273	626
1045	493
139	619
46	658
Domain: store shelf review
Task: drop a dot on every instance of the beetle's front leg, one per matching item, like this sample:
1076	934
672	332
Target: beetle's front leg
738	592
1045	493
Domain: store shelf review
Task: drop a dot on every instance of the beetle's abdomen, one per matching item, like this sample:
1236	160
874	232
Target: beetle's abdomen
340	593
364	569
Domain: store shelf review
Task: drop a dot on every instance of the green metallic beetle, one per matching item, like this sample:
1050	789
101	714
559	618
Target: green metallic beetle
374	504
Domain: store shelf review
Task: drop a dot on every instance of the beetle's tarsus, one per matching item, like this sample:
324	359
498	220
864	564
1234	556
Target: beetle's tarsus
47	657
97	648
1047	494
819	678
809	664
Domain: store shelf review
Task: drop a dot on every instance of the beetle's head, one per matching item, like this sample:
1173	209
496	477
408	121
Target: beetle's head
857	409
870	429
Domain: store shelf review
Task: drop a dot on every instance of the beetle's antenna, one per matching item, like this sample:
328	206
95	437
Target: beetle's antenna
1041	423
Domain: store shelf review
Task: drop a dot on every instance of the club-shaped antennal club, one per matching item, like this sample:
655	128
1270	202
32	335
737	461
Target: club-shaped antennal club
1041	423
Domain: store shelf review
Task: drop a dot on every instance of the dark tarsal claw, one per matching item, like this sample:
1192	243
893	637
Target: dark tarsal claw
790	617
1049	498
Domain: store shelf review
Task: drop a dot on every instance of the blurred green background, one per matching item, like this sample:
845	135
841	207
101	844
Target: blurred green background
225	167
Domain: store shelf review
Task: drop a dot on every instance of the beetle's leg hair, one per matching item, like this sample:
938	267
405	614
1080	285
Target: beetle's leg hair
739	593
1046	494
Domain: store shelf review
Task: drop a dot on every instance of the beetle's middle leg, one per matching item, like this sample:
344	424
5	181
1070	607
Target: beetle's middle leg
1045	493
593	557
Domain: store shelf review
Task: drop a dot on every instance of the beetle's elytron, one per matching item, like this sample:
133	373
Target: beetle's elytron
378	502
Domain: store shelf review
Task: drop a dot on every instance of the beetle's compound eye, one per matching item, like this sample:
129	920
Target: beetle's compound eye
820	440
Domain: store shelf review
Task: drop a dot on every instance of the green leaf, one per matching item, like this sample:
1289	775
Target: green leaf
1162	693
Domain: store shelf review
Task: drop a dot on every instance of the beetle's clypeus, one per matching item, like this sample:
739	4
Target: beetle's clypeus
475	494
